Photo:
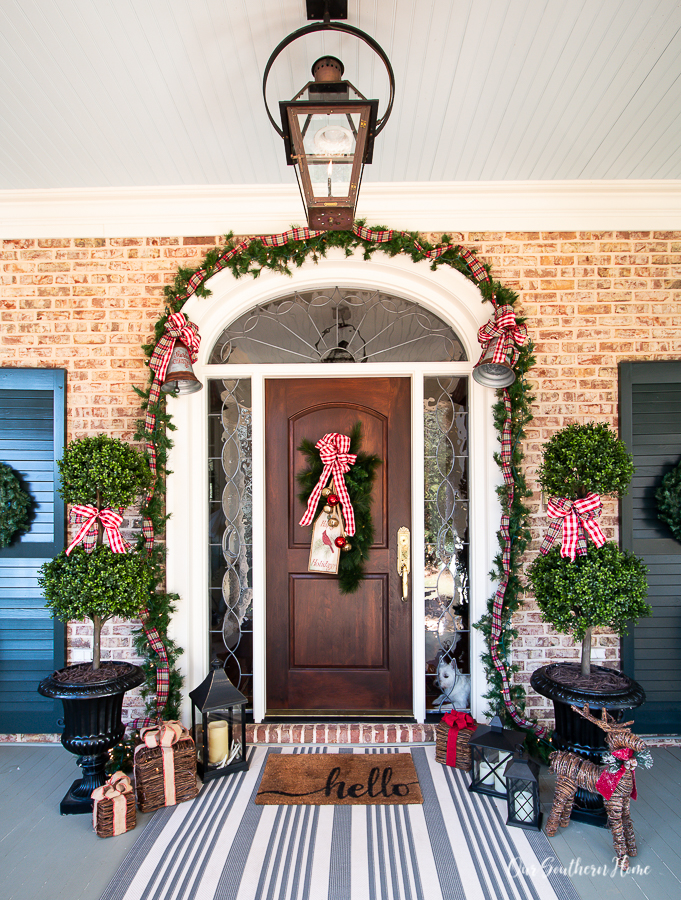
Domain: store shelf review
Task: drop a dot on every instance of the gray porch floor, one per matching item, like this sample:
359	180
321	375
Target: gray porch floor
45	856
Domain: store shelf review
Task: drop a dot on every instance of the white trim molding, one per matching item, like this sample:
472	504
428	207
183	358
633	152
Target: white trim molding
448	294
637	205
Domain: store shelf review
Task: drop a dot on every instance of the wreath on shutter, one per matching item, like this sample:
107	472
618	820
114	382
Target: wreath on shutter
15	504
668	497
359	481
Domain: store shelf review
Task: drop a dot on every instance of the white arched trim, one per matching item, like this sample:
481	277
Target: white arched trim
445	292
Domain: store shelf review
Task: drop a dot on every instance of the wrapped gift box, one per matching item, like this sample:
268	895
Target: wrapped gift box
464	726
114	810
165	766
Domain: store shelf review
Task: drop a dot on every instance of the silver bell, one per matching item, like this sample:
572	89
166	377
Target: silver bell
180	377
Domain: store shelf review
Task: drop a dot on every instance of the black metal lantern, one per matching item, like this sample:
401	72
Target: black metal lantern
329	137
221	734
522	793
492	748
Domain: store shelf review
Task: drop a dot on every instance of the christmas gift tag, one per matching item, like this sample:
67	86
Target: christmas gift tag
324	554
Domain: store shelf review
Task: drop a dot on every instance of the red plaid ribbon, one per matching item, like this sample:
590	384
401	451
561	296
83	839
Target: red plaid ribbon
333	451
608	781
576	518
88	532
162	670
511	336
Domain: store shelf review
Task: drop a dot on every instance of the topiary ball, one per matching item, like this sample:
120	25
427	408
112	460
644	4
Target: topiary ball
103	469
581	459
15	505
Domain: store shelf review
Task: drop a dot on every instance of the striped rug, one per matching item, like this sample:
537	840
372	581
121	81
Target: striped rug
455	846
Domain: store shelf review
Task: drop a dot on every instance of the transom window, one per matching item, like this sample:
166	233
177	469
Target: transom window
338	325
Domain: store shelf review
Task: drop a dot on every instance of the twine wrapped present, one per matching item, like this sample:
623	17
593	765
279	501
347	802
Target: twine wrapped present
114	810
165	766
452	736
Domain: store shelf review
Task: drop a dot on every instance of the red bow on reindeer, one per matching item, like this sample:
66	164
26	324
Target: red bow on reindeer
333	452
578	519
511	335
88	533
608	781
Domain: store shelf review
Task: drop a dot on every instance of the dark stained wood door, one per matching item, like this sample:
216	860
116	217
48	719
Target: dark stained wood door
328	651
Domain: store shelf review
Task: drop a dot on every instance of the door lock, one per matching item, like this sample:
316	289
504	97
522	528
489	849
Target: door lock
403	559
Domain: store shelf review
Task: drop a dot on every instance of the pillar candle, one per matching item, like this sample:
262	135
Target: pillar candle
218	741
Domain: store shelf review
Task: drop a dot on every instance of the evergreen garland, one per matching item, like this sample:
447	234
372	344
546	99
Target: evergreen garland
668	497
359	481
15	505
255	256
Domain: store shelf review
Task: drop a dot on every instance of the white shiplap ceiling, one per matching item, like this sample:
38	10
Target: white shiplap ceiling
141	93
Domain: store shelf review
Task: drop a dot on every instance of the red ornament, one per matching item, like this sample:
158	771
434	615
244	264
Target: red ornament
340	541
332	500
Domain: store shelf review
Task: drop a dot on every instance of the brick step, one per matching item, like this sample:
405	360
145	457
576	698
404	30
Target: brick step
339	733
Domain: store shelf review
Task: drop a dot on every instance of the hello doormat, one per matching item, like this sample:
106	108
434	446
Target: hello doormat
346	779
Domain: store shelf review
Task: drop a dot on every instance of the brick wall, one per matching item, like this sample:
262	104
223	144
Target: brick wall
591	299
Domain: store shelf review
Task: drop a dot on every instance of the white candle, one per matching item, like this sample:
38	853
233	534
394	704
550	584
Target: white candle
218	741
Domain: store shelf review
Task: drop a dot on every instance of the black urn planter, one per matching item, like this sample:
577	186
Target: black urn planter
577	734
92	726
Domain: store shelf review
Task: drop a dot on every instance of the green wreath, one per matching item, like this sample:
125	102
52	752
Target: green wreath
15	504
359	481
668	497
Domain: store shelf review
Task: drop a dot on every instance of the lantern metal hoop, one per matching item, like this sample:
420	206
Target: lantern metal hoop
347	29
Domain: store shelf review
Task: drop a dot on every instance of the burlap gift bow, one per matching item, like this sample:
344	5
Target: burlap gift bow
116	789
456	721
511	336
89	515
333	452
576	518
608	781
164	735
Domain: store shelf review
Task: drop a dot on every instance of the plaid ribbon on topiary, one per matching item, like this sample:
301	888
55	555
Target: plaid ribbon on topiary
576	519
88	532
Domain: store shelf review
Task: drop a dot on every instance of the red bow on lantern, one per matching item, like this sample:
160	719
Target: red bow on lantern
333	452
511	335
88	533
578	517
456	721
608	781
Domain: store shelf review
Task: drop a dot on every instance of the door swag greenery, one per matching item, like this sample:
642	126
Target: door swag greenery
15	505
359	481
668	497
280	252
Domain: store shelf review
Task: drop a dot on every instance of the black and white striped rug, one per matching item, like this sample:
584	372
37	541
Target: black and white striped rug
222	846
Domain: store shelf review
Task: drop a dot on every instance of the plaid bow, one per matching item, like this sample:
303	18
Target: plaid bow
88	532
333	452
578	518
511	335
608	781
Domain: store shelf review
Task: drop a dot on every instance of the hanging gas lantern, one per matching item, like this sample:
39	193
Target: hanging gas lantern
180	377
329	137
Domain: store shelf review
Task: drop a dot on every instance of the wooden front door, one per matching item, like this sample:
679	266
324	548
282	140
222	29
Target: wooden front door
327	651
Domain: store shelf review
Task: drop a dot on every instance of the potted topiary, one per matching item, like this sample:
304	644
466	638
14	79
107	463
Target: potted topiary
97	580
584	583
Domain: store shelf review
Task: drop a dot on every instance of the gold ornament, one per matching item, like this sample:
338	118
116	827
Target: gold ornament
346	547
327	508
333	521
326	492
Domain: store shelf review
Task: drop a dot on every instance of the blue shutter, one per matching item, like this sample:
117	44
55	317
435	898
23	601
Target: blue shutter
31	643
650	425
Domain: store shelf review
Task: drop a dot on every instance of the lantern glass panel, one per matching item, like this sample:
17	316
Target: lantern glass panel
523	801
488	770
329	143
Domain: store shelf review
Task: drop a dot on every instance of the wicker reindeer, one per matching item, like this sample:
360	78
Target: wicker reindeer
615	781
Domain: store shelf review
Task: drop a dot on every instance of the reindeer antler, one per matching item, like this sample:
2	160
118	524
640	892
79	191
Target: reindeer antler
605	723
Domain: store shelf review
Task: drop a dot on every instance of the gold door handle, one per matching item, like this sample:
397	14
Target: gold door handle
403	560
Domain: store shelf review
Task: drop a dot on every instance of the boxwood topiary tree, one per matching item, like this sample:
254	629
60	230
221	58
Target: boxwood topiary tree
105	473
606	586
